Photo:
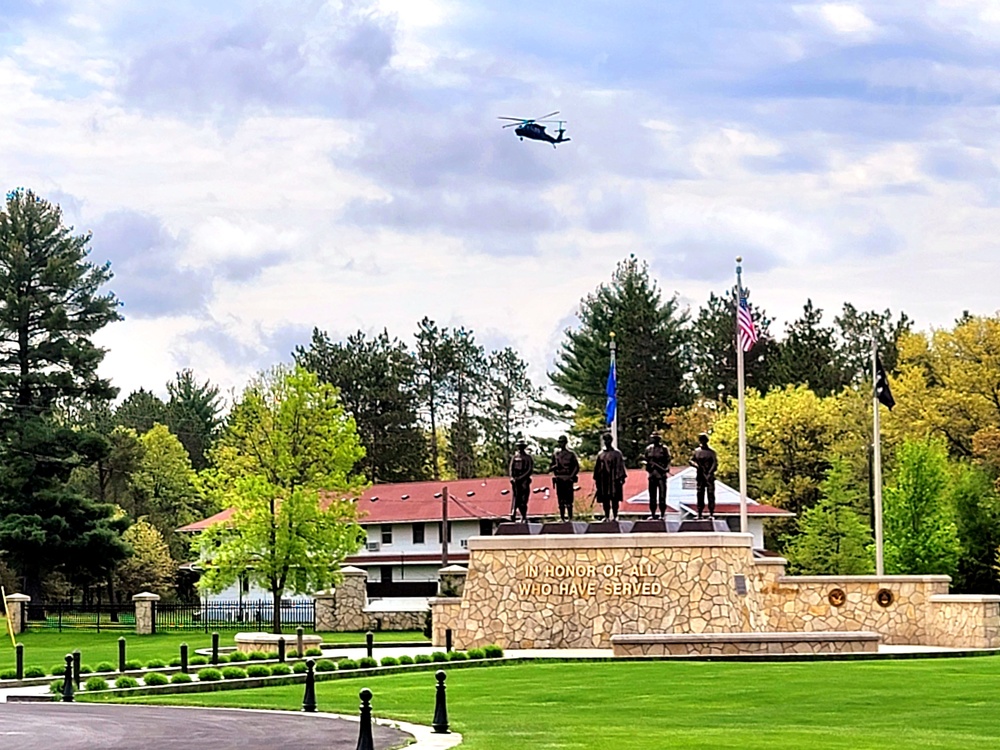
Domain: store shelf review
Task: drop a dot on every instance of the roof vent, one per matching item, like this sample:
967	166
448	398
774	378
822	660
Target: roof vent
373	499
437	494
470	493
404	497
504	492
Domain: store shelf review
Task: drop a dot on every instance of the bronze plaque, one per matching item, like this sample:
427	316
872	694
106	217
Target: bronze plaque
884	597
836	597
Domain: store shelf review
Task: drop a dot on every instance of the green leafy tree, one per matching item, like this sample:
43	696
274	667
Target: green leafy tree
286	441
833	538
652	359
51	305
713	349
809	354
150	566
193	414
921	537
377	380
164	484
110	479
977	519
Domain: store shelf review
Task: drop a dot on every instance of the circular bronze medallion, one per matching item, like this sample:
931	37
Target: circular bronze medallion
836	597
884	597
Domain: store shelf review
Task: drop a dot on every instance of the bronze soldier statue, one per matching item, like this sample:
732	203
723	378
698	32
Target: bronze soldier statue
657	468
565	468
521	466
706	462
609	479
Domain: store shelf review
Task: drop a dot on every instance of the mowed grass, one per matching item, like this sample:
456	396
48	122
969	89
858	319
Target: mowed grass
932	703
47	648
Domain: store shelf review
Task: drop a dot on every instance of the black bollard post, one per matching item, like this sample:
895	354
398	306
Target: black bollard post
370	643
365	741
309	698
76	668
448	640
67	688
281	650
184	658
19	656
121	654
440	722
215	649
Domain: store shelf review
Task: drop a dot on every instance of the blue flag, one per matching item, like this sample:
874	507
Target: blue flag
612	390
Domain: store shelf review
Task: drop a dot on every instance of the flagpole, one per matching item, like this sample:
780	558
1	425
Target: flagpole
614	369
877	463
744	524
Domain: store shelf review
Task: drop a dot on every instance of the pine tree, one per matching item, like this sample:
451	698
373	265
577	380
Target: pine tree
652	359
50	307
809	354
193	414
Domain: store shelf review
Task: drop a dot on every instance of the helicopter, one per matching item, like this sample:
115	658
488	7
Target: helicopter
536	132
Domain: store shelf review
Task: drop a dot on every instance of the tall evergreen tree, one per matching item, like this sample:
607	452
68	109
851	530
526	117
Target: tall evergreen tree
713	349
140	410
809	354
433	355
377	380
51	305
854	330
193	414
508	407
466	384
653	354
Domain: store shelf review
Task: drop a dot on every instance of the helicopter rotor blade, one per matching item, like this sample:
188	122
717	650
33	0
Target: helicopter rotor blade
550	114
518	119
512	124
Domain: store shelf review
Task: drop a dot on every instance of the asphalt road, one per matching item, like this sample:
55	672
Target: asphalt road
89	726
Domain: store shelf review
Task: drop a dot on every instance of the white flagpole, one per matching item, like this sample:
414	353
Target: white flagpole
877	465
744	523
614	419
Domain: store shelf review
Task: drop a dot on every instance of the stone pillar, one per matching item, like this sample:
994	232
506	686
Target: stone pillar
451	581
17	604
343	607
144	604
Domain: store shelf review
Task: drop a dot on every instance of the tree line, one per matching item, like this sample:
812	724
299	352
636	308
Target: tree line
93	489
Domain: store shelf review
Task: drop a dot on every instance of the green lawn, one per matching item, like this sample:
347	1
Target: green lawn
46	648
848	705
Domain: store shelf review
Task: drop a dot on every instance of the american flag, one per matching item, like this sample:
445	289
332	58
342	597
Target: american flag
746	334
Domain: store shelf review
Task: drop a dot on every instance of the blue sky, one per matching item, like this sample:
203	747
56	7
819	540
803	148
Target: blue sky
252	170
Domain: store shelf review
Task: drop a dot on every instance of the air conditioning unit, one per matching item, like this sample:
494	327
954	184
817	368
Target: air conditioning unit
464	543
373	546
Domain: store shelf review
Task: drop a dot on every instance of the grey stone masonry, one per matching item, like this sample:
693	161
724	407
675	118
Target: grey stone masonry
144	604
343	608
451	580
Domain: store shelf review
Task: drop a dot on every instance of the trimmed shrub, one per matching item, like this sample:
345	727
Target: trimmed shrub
367	662
325	665
233	673
155	664
278	669
439	656
34	672
259	655
422	659
347	664
133	664
291	653
84	669
314	651
8	674
198	661
96	683
156	678
105	666
58	670
476	653
56	686
126	682
225	658
175	662
209	674
299	667
180	678
404	659
493	651
258	670
457	656
389	661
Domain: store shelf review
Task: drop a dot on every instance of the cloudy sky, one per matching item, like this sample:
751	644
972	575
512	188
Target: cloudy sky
252	170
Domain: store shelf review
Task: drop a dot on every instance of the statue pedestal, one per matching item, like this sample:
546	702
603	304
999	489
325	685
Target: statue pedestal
564	527
704	525
609	527
511	528
653	526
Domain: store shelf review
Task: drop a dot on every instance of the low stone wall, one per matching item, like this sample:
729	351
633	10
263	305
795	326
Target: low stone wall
396	620
810	603
268	642
734	644
963	621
